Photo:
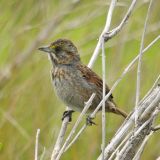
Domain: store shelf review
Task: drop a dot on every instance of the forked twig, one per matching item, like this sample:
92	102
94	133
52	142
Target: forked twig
111	34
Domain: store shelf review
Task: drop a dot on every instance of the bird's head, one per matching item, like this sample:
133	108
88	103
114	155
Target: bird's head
62	51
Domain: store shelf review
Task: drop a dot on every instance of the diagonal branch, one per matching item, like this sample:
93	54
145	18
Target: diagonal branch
143	129
112	33
86	107
106	29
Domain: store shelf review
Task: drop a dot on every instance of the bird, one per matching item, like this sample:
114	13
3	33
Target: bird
74	82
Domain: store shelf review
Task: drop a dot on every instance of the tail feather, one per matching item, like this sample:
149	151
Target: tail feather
112	107
120	112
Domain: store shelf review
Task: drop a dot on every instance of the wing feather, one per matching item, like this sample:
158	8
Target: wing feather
92	77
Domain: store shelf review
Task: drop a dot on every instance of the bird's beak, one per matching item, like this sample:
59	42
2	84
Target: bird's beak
45	49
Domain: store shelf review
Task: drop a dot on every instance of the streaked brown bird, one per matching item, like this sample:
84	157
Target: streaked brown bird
74	82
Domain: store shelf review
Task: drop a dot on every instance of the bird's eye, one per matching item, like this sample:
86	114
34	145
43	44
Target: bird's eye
57	49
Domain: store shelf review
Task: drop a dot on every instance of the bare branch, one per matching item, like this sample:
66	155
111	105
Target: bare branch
36	146
118	147
142	130
114	32
157	82
156	128
60	138
132	145
103	104
139	152
76	137
88	104
101	41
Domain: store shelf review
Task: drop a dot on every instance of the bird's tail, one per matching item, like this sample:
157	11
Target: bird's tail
114	109
120	112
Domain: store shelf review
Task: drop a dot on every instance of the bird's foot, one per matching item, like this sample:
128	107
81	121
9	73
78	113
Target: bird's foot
67	114
89	121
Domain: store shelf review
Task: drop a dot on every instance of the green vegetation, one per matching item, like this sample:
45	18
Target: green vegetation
27	99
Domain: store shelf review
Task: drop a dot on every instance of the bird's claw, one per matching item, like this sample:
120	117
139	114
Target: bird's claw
89	121
67	114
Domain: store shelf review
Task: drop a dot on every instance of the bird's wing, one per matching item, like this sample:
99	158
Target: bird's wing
92	77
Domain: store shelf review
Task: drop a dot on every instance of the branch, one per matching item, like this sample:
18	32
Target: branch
139	133
132	145
106	29
156	128
112	33
36	146
86	107
116	30
140	151
104	104
60	138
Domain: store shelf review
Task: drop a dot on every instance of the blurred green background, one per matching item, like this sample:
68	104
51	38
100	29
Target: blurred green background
27	99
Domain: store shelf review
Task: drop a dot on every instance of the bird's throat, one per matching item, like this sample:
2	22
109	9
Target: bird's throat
53	59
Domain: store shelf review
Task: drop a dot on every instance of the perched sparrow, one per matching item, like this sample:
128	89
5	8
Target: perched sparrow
74	82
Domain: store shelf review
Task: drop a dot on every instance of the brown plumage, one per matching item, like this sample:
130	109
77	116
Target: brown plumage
74	82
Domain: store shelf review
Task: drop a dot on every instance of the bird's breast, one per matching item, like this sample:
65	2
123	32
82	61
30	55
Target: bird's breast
70	87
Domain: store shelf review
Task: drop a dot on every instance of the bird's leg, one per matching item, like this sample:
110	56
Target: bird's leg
67	114
89	121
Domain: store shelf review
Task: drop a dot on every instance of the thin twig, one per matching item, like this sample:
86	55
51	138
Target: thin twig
88	104
103	105
120	145
60	138
114	31
123	22
106	29
156	128
140	63
125	127
131	146
36	145
76	137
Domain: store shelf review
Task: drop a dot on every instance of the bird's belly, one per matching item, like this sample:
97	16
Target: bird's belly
68	92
